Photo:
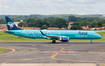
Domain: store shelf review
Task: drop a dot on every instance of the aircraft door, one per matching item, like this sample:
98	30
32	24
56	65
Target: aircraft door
90	35
59	33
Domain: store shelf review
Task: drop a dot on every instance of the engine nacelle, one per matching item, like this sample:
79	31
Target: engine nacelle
64	39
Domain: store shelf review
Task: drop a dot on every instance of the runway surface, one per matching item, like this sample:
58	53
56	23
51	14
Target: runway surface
46	52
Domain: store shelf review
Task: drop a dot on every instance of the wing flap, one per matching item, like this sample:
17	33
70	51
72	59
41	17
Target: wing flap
53	37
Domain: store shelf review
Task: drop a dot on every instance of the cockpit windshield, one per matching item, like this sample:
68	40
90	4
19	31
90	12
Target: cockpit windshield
95	33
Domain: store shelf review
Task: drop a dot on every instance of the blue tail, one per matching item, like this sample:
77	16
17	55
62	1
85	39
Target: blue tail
11	25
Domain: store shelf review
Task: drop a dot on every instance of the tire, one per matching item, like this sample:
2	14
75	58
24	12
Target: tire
53	41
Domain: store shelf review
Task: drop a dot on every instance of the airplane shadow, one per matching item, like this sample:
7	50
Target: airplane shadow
51	43
73	43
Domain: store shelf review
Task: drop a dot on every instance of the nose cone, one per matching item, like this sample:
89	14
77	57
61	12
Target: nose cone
100	37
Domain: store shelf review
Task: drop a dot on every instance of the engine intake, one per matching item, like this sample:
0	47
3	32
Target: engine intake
64	39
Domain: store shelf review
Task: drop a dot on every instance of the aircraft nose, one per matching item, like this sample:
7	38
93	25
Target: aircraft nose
100	36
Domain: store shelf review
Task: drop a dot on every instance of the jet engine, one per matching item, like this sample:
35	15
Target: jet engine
64	39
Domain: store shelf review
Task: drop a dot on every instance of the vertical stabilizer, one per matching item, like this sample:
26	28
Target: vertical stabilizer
10	24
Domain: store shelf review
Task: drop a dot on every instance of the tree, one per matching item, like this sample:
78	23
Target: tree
99	23
31	20
103	25
103	21
44	27
59	22
84	23
30	24
2	21
21	24
73	18
79	27
48	23
15	20
25	25
93	24
39	23
74	27
78	24
49	19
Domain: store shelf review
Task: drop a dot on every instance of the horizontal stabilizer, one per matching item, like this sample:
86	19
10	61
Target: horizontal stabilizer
8	31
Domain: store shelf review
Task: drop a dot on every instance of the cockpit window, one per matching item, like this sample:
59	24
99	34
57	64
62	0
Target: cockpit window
95	33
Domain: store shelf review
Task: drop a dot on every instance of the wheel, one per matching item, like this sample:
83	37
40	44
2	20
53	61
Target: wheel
91	41
53	41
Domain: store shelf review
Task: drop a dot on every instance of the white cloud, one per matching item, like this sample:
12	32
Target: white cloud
83	1
52	6
72	9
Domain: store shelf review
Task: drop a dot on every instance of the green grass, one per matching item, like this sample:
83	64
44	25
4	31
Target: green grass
9	37
2	50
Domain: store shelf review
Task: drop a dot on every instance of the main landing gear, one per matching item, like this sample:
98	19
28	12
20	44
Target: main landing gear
54	41
91	41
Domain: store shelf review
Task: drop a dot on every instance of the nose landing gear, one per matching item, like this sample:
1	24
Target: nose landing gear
91	41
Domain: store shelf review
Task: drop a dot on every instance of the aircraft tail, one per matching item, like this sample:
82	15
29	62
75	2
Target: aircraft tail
11	25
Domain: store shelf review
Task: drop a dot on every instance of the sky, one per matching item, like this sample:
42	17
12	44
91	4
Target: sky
51	7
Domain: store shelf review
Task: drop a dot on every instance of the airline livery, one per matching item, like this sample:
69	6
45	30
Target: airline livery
62	35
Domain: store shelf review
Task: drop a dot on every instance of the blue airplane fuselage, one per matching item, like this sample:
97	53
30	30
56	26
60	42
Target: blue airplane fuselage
71	34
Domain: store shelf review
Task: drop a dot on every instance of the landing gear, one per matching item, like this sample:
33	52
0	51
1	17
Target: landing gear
91	41
54	41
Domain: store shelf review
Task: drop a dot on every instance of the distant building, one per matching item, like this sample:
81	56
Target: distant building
100	28
69	24
53	28
36	28
27	28
87	28
30	28
3	26
63	28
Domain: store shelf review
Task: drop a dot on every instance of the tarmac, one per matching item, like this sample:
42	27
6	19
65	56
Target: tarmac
48	54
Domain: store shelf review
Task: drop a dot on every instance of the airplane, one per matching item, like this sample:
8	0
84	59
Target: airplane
61	35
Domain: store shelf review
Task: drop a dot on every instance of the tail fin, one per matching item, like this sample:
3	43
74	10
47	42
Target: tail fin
10	24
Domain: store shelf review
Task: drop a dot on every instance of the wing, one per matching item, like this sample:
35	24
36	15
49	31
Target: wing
52	37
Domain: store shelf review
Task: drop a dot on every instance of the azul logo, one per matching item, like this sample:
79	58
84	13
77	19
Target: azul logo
82	33
10	24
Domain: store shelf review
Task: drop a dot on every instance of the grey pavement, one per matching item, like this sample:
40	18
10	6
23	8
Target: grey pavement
48	53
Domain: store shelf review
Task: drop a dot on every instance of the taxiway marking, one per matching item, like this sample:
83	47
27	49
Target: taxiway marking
102	64
13	50
54	55
58	52
25	51
10	60
67	54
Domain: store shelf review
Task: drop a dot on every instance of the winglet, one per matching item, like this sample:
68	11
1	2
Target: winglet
42	33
